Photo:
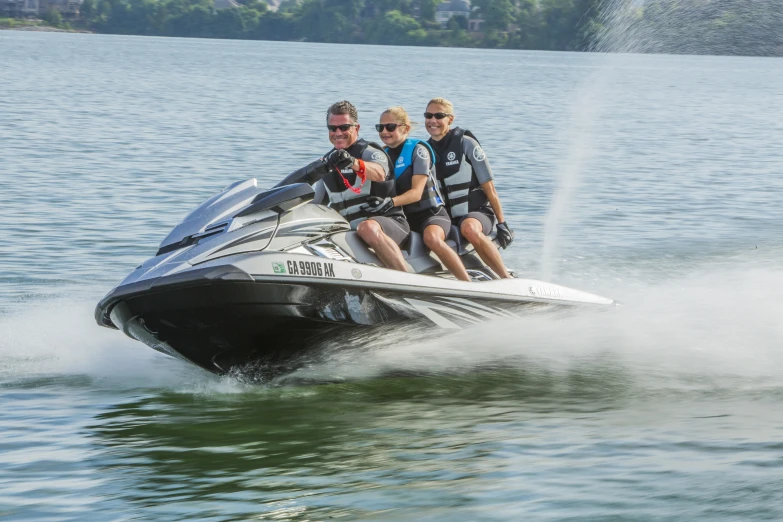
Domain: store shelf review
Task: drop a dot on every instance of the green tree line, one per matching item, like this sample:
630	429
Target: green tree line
520	24
673	26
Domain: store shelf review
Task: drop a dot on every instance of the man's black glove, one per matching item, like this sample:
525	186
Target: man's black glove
505	235
376	205
340	159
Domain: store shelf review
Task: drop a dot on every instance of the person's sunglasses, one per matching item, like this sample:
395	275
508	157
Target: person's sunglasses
343	128
388	126
436	115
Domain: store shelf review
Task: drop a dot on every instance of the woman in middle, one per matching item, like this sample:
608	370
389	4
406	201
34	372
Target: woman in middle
414	172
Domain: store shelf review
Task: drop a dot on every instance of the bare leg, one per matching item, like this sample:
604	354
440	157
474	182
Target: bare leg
486	249
387	250
435	239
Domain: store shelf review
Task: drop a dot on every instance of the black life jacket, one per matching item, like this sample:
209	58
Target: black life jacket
455	173
346	201
403	173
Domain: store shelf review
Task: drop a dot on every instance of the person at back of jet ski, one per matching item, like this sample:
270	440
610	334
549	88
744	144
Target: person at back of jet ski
467	182
417	187
360	186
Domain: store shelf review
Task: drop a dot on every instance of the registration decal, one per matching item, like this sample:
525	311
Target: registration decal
310	268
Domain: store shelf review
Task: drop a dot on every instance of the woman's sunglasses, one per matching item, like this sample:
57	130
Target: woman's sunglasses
388	126
343	128
436	115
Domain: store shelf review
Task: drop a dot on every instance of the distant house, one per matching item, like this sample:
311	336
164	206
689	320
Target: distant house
451	8
67	8
225	4
19	8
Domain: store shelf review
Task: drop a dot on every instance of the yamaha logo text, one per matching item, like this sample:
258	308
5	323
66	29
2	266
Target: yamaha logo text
545	291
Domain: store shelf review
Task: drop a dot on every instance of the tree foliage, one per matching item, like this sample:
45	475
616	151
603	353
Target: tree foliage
392	22
722	25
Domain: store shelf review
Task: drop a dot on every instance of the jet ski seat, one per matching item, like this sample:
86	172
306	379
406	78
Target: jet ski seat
465	250
415	253
418	257
460	245
457	242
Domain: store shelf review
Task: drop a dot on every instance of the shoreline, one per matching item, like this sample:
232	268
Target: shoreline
45	29
50	29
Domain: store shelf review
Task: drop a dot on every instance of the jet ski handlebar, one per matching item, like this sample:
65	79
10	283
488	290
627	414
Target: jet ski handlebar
309	174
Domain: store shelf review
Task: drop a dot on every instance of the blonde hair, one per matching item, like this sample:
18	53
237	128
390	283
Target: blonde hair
401	115
443	101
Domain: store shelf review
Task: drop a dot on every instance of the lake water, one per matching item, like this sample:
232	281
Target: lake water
656	180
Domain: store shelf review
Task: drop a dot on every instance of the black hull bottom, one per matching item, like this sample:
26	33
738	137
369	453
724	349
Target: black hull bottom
221	326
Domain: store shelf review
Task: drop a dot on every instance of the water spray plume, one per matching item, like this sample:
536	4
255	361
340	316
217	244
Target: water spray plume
653	26
580	137
724	27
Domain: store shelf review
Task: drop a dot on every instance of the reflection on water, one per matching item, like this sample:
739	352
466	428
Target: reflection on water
369	449
360	448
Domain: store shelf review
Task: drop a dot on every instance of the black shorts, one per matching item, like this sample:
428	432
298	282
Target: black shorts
486	217
421	220
396	227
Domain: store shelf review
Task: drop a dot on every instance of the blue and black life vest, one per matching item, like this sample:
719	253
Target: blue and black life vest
403	174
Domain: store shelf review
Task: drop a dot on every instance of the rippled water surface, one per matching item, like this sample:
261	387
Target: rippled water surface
656	180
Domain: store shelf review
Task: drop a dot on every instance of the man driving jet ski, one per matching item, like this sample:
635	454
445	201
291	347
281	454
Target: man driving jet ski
360	186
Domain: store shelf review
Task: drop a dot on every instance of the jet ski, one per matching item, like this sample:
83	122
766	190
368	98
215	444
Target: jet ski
257	274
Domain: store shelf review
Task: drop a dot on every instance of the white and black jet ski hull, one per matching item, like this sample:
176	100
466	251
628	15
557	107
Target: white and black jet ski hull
262	275
273	306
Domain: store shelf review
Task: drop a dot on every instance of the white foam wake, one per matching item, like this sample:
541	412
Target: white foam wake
716	326
58	339
723	326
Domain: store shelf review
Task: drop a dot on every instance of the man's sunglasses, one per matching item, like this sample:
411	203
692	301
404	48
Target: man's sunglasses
388	126
436	115
343	128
